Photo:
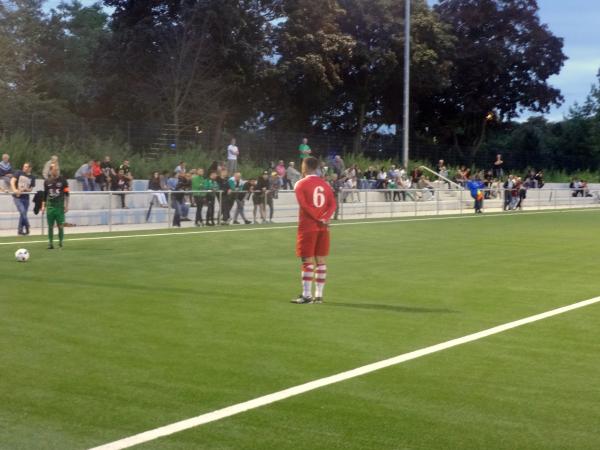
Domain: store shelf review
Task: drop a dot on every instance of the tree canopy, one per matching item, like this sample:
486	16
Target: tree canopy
324	66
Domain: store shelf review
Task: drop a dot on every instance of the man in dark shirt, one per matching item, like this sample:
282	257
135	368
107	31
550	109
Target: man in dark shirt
56	204
260	196
21	183
121	183
226	201
498	167
107	175
178	199
125	168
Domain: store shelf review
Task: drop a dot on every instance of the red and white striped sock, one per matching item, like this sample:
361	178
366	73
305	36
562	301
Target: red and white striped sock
308	273
321	278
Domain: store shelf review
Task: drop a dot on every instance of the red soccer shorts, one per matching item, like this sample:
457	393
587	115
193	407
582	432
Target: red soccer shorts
312	243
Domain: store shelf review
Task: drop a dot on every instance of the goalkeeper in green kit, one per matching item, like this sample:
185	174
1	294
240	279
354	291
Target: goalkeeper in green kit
56	204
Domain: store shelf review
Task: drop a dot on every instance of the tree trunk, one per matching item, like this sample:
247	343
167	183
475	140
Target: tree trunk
217	134
356	145
176	127
480	139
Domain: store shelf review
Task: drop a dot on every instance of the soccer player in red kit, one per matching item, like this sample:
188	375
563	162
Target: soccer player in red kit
317	205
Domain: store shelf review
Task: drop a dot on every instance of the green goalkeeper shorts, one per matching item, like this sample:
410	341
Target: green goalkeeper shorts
55	215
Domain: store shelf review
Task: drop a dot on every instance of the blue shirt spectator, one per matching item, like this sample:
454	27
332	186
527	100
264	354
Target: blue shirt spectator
172	183
5	166
474	186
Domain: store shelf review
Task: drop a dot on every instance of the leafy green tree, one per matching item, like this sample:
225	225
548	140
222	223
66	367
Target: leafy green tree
341	62
69	50
504	58
22	27
188	62
311	53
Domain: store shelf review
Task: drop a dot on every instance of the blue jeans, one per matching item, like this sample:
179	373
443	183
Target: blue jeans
85	183
22	204
181	211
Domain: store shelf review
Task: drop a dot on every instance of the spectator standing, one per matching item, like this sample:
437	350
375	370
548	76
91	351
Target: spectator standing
212	187
199	185
22	183
389	186
462	176
304	150
273	193
238	193
178	199
281	173
156	184
121	183
498	166
522	196
508	187
416	175
476	187
405	183
85	176
223	181
337	185
393	186
46	170
233	153
259	197
5	172
292	175
172	182
443	172
426	188
249	188
489	181
338	165
347	190
515	197
181	168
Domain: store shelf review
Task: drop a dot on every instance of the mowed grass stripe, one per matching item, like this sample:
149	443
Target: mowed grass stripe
112	337
284	227
323	382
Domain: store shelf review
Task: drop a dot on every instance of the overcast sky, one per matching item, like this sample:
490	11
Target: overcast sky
578	22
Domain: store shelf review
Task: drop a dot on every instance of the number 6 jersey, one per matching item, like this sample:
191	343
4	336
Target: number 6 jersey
317	203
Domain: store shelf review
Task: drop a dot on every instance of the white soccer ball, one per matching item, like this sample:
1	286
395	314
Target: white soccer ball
22	255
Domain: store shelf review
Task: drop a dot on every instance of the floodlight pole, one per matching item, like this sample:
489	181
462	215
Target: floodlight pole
406	118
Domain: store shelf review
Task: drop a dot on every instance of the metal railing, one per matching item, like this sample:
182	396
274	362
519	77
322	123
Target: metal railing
100	211
450	182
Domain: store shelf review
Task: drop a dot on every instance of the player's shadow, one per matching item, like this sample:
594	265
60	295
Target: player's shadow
394	308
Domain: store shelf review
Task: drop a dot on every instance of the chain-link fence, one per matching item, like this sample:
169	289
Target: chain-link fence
260	146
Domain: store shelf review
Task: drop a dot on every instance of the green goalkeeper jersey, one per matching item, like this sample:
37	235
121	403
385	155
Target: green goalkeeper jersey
55	191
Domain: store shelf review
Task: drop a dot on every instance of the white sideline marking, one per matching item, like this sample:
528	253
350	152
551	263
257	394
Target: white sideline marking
316	384
341	224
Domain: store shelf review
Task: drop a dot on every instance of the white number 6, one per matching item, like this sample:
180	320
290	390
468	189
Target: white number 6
319	197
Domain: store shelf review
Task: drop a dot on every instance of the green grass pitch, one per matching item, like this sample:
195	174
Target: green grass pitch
109	338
